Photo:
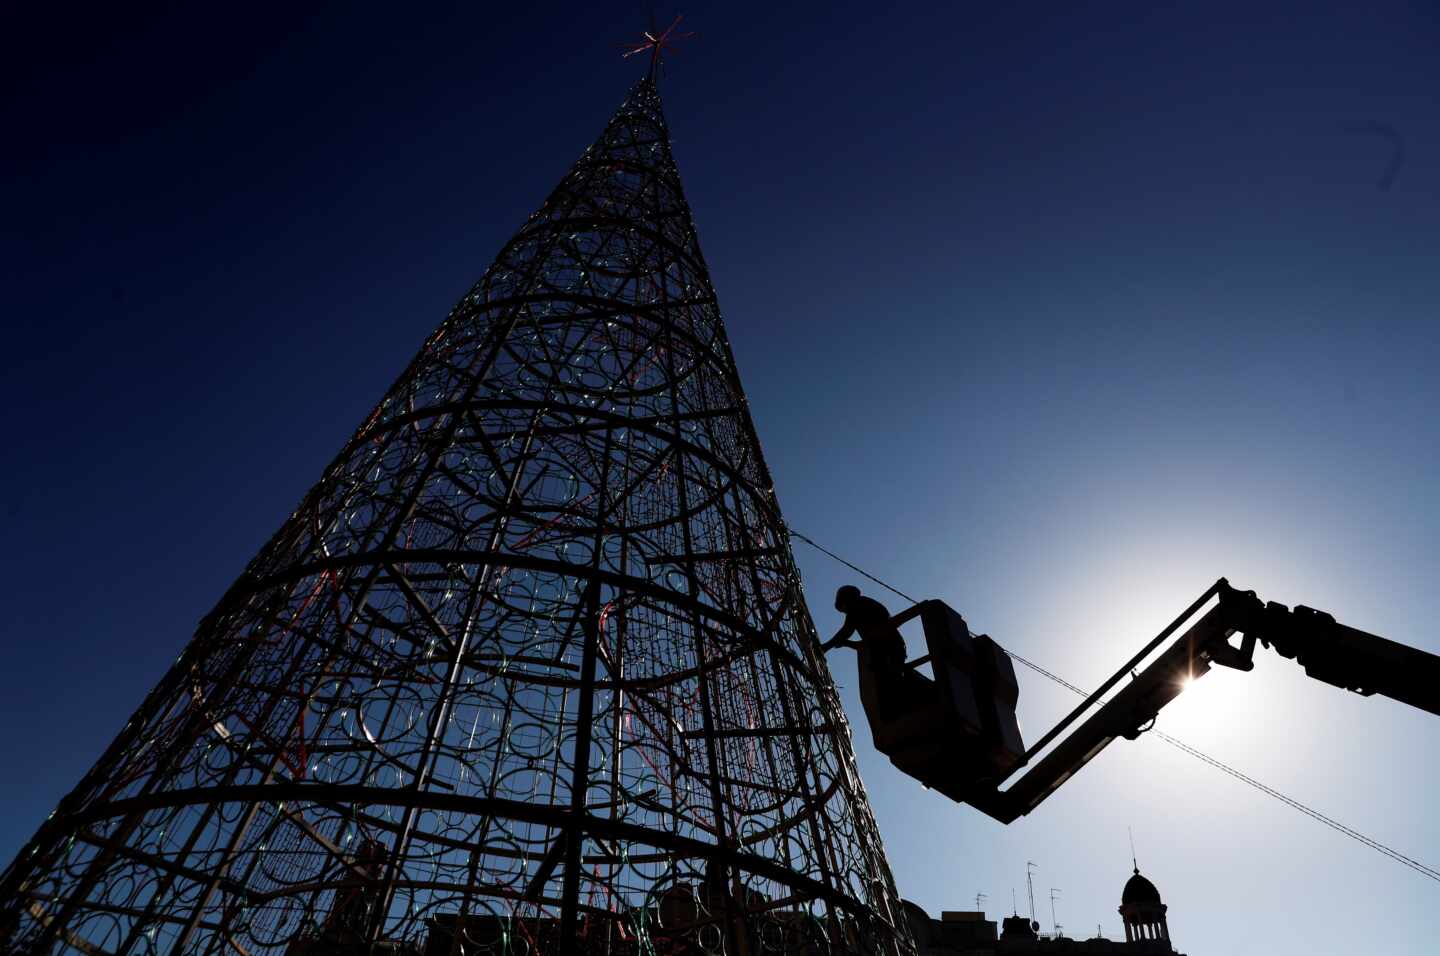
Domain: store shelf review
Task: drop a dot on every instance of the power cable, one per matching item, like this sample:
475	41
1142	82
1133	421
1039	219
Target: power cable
1333	824
1314	814
856	568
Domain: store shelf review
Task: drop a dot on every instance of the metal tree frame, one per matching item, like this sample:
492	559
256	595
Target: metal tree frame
528	670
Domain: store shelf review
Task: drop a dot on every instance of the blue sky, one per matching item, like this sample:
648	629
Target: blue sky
1055	314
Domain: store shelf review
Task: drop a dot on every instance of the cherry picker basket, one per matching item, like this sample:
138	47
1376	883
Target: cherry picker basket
957	730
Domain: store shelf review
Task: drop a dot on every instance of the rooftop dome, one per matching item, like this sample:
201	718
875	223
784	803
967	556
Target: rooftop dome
1139	890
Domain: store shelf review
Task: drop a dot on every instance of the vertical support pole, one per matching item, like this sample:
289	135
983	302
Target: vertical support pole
580	779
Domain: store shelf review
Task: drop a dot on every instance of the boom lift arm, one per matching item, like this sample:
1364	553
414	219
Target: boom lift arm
964	739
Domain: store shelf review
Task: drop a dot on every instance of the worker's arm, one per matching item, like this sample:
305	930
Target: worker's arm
841	638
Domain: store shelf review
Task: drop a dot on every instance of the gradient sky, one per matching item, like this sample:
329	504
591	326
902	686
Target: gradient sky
1054	314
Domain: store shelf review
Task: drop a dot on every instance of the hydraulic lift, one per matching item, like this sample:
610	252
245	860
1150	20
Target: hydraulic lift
958	733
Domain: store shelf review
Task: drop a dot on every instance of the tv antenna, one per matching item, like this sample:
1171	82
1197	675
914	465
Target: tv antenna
1054	924
1030	885
980	898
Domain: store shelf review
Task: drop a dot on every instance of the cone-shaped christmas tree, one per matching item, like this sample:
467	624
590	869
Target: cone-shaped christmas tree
529	670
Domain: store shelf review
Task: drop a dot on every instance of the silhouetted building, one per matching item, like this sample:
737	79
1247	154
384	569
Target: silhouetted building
354	910
684	920
968	933
1142	911
706	917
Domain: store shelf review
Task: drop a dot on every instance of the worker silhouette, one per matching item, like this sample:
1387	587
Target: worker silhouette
881	648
